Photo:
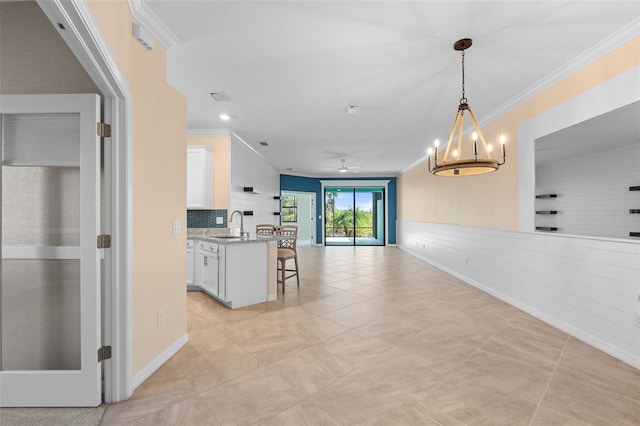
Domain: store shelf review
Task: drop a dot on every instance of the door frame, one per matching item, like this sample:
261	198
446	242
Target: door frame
85	41
312	211
359	183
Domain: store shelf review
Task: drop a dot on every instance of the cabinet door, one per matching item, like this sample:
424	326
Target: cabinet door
222	274
201	271
199	178
190	266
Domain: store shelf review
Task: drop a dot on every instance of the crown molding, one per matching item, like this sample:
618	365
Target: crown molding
210	132
239	140
152	23
600	49
414	164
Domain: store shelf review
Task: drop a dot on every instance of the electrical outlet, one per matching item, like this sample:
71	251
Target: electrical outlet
219	220
160	317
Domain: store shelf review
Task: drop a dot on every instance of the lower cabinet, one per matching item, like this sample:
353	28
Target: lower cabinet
190	262
206	267
234	274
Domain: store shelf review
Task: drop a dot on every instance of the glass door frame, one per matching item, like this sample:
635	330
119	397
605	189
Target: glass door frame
358	183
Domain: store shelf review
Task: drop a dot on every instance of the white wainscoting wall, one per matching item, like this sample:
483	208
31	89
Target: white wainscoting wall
248	168
587	287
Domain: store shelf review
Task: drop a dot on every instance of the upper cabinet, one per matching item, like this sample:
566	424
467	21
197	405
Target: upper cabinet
199	178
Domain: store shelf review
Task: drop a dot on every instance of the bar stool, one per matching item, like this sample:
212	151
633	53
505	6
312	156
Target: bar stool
287	237
265	229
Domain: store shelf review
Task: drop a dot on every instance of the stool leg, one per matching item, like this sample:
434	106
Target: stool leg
283	272
297	270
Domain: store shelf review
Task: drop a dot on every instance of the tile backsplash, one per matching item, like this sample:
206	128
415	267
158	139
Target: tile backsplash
206	218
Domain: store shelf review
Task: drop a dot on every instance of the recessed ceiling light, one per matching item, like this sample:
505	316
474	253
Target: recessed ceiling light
224	117
263	143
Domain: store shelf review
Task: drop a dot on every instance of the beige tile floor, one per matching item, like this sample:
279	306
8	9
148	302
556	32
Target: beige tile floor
374	336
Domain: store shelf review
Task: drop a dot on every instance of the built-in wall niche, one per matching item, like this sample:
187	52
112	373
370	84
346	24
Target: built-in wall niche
584	173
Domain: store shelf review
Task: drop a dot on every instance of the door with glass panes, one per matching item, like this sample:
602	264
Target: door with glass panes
49	288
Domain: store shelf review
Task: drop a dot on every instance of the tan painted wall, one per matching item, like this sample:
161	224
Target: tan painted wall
159	185
492	200
221	145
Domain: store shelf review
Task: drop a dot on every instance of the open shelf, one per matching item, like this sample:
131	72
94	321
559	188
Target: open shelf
547	196
634	188
634	211
546	228
251	190
546	211
634	234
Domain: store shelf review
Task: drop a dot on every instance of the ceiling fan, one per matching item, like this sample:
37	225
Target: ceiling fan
350	169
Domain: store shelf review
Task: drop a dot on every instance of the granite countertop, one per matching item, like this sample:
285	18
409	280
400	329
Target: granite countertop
225	236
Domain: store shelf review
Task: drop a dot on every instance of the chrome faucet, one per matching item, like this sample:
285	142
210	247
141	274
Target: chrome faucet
241	220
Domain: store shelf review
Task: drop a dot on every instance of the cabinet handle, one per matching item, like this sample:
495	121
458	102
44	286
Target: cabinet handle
206	262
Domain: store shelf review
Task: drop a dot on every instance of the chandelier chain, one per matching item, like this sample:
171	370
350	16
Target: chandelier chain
463	99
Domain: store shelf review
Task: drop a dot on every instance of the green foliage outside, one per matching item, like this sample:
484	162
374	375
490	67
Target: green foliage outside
339	223
289	210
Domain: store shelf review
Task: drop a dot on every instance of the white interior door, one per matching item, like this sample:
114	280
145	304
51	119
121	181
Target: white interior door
49	285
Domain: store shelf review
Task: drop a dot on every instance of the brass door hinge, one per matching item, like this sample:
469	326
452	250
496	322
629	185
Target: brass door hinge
104	130
104	353
104	241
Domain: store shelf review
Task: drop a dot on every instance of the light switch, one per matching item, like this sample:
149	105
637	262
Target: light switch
177	227
219	220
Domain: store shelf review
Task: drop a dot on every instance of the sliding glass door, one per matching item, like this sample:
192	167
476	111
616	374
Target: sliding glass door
354	216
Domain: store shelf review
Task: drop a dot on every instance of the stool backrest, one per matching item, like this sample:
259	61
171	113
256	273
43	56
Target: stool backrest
265	229
287	236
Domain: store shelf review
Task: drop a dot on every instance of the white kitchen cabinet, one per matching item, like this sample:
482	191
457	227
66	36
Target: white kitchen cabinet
222	272
236	274
199	177
206	267
190	262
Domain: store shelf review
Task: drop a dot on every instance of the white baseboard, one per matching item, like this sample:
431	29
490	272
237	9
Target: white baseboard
150	368
627	357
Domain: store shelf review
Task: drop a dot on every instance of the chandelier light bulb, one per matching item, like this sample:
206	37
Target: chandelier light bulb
489	147
436	143
474	136
503	139
455	152
430	151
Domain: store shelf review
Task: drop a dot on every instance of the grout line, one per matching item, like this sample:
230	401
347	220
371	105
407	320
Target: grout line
566	343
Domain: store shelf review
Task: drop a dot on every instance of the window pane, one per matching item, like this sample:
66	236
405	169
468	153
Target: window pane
289	201
289	214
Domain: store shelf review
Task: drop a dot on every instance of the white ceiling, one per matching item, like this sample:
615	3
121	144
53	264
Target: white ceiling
291	68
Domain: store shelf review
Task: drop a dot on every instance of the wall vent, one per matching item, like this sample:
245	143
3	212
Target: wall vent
220	97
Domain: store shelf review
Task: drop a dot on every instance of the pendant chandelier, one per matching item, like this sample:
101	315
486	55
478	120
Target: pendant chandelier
453	164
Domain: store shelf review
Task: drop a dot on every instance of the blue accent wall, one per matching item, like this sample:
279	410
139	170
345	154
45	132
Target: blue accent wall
308	184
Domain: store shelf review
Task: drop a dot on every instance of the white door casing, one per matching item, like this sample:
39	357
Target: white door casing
66	387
